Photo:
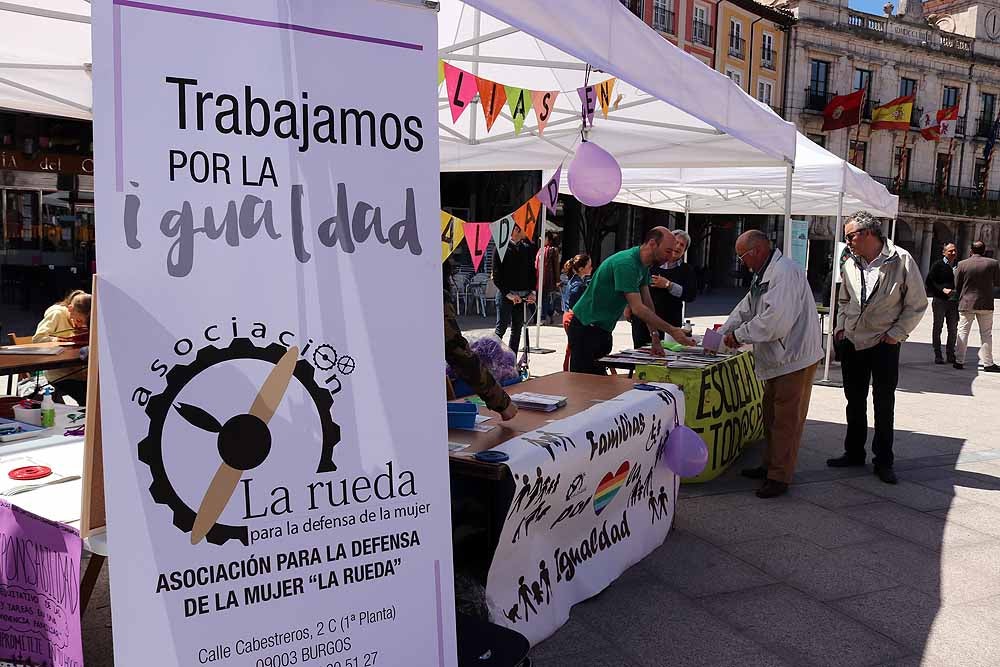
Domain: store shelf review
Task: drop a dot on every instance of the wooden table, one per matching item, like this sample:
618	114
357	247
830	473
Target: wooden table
14	364
581	391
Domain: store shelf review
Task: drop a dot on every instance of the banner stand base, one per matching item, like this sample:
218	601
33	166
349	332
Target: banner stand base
540	350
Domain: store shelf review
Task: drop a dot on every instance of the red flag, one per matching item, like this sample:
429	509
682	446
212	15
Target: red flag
947	119
843	111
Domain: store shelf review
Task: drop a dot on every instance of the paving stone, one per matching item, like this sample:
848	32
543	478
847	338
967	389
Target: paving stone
723	522
965	635
816	524
823	574
697	568
796	625
832	495
903	614
575	637
917	496
924	529
984	518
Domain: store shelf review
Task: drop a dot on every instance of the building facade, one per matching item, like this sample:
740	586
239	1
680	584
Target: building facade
945	53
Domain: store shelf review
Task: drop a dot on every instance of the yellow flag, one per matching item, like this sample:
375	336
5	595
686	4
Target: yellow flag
604	94
452	233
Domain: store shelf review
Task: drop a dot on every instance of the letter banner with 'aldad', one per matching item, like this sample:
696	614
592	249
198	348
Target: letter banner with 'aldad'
271	213
39	590
592	497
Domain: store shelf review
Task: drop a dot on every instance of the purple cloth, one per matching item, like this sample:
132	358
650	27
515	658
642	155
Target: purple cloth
39	590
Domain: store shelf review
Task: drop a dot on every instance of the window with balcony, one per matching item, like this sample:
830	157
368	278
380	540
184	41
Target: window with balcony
949	97
979	175
941	169
901	166
664	18
987	113
818	139
907	86
767	57
859	154
818	93
634	6
863	80
701	29
737	45
735	75
765	89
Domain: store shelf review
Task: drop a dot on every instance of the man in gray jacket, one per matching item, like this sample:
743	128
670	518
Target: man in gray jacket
881	300
975	279
778	317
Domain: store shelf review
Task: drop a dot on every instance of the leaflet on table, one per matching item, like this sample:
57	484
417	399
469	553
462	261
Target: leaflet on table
591	498
271	447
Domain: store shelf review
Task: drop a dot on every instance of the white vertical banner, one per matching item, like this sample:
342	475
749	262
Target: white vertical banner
267	188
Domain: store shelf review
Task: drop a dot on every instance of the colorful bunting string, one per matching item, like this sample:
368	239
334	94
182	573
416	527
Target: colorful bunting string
452	233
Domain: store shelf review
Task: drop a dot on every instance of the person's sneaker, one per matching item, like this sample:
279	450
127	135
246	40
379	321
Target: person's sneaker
992	368
958	367
760	472
886	474
772	489
938	360
845	461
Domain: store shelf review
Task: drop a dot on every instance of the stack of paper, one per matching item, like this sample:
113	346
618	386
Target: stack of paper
540	402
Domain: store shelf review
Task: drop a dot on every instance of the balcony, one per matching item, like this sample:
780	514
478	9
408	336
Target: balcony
665	21
869	106
956	44
984	125
767	58
866	22
817	100
960	126
634	6
737	47
951	199
915	115
702	33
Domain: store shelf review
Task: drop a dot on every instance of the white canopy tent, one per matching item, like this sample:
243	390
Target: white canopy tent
823	184
45	57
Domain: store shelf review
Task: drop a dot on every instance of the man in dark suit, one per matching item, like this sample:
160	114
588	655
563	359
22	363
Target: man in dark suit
975	279
940	284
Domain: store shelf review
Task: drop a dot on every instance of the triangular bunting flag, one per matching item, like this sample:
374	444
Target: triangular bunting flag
544	103
527	215
492	97
477	237
604	94
461	89
549	193
452	233
440	71
501	230
588	101
518	101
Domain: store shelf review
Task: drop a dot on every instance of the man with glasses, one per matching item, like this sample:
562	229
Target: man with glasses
778	317
881	300
940	284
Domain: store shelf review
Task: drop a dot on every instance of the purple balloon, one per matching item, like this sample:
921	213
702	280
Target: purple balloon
595	177
686	452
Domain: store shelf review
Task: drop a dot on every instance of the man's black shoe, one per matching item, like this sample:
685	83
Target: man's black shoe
760	472
845	461
886	474
958	367
772	489
938	360
992	368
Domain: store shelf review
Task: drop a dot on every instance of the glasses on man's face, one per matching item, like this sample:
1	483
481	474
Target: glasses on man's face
739	258
850	236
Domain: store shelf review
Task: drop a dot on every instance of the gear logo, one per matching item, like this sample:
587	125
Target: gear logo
243	441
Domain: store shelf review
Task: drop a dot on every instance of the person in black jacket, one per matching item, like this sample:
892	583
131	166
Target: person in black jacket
674	283
514	278
940	284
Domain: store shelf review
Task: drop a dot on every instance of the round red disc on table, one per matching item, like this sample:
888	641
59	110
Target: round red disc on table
28	473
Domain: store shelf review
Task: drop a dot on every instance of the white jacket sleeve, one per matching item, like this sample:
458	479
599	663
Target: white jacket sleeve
914	303
775	316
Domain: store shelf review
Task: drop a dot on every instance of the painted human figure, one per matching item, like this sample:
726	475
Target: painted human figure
664	502
524	596
513	614
543	576
536	591
516	505
654	508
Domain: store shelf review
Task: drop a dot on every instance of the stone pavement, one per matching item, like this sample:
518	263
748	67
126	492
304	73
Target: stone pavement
843	571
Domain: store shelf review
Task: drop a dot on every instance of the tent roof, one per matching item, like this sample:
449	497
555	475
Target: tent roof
45	57
674	110
818	179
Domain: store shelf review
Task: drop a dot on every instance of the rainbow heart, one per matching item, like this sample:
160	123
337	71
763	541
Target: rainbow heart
609	487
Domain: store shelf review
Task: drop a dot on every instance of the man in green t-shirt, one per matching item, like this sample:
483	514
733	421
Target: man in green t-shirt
621	280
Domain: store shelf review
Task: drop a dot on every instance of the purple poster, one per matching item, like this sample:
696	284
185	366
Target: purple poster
39	590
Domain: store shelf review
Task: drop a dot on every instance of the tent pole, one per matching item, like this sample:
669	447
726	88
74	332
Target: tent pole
892	234
687	228
786	248
833	285
541	277
476	32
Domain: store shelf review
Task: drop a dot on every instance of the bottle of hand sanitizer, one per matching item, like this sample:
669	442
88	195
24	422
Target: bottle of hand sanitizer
48	409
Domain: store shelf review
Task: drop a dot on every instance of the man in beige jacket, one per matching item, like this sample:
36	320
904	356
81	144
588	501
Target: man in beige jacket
881	300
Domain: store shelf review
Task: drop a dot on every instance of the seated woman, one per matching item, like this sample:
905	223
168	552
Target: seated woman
65	319
578	271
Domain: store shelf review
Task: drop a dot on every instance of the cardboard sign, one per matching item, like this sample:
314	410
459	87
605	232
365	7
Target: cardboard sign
271	205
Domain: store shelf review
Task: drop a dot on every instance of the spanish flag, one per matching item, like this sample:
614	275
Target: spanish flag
893	116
